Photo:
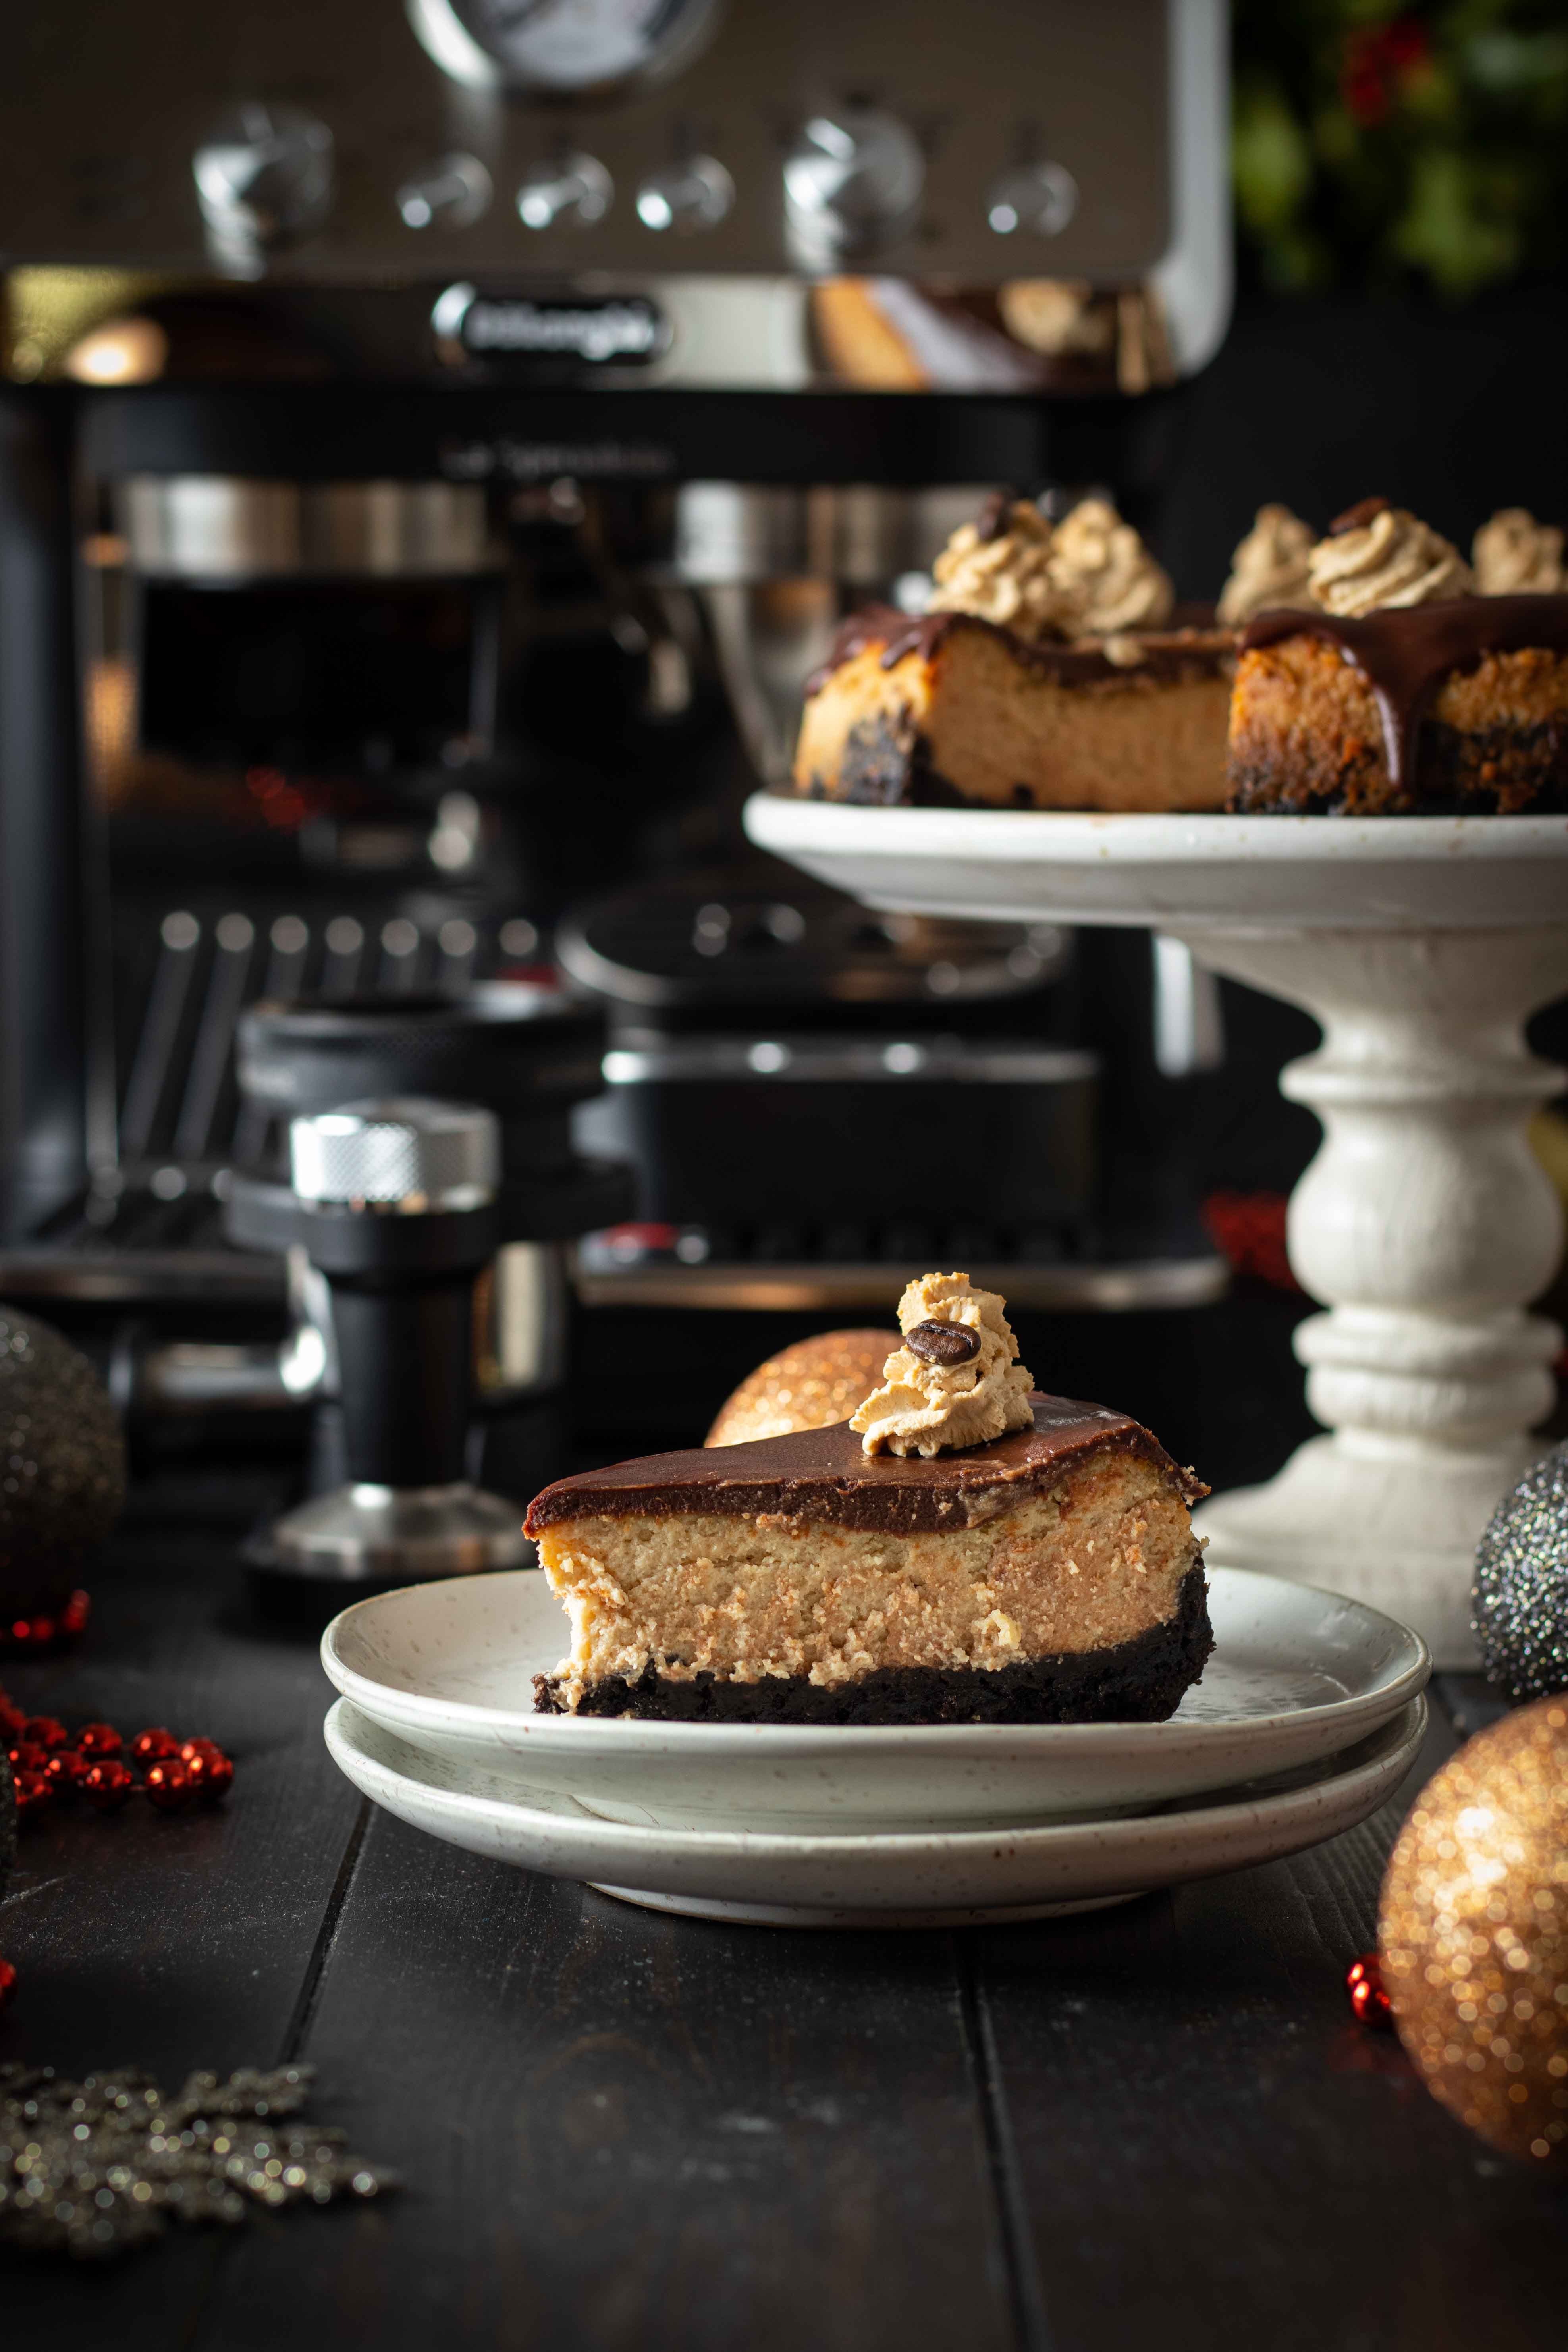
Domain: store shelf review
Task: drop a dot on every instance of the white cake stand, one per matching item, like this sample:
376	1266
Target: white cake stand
1425	1222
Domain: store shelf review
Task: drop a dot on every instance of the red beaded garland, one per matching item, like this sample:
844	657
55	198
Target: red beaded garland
1363	1981
49	1762
41	1633
7	1983
107	1785
168	1785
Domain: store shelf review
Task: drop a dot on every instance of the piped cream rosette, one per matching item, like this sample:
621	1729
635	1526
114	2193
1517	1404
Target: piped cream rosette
955	1382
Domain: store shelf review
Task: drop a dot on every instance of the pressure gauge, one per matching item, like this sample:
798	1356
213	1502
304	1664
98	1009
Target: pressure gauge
559	47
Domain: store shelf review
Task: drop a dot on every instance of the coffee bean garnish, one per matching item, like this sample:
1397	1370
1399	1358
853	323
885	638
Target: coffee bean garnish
943	1343
1357	517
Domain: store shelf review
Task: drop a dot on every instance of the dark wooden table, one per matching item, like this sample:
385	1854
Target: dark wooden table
1159	2124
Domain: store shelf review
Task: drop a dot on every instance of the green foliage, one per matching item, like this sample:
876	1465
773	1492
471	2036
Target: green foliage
1375	141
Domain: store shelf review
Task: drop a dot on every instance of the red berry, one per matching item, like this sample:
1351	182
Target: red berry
33	1793
26	1756
100	1739
47	1731
1363	1981
150	1746
7	1983
20	1630
209	1772
107	1785
168	1785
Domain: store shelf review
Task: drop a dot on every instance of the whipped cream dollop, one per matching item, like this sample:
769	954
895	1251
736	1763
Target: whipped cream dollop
1378	555
1270	571
1514	555
955	1382
999	568
1105	576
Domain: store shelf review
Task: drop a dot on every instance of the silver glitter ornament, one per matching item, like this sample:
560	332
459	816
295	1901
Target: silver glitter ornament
1519	1605
100	2166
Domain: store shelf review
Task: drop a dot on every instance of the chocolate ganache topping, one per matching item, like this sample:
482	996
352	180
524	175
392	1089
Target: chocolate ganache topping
1406	652
823	1476
1084	661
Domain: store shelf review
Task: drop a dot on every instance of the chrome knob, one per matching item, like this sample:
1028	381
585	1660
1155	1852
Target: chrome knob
697	194
852	182
452	192
1038	196
570	191
404	1152
265	175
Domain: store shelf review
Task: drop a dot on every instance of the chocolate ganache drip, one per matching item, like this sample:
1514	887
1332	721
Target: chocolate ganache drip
1404	652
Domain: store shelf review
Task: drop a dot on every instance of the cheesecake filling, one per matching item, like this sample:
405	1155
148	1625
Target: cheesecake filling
1093	1562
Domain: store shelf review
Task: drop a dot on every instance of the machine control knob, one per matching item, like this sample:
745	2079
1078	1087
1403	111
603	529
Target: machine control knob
1038	196
452	192
695	193
265	176
852	182
565	190
405	1153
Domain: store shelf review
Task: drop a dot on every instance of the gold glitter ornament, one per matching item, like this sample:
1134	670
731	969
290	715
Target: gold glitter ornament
1474	1933
808	1386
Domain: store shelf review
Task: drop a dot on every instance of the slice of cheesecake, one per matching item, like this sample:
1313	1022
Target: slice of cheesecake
953	709
1049	1575
1458	707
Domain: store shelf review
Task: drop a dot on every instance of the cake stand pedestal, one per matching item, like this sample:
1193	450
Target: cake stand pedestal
1425	1224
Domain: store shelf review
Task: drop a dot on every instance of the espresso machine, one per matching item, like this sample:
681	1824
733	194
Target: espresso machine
436	445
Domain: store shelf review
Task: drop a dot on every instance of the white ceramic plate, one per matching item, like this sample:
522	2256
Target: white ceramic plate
1296	1676
1188	874
938	1878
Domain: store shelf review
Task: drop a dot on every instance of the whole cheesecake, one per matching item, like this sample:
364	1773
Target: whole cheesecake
1046	1574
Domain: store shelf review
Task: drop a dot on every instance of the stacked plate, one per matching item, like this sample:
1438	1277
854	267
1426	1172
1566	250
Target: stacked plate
1308	1716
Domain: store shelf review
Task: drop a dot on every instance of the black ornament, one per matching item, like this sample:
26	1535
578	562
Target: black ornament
1520	1603
62	1466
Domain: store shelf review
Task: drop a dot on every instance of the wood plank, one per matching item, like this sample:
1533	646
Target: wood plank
1211	2152
172	1942
623	2130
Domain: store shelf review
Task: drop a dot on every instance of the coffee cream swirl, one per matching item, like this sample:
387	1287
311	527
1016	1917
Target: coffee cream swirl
1105	575
1091	576
1002	572
1269	571
928	1406
1514	555
1390	558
